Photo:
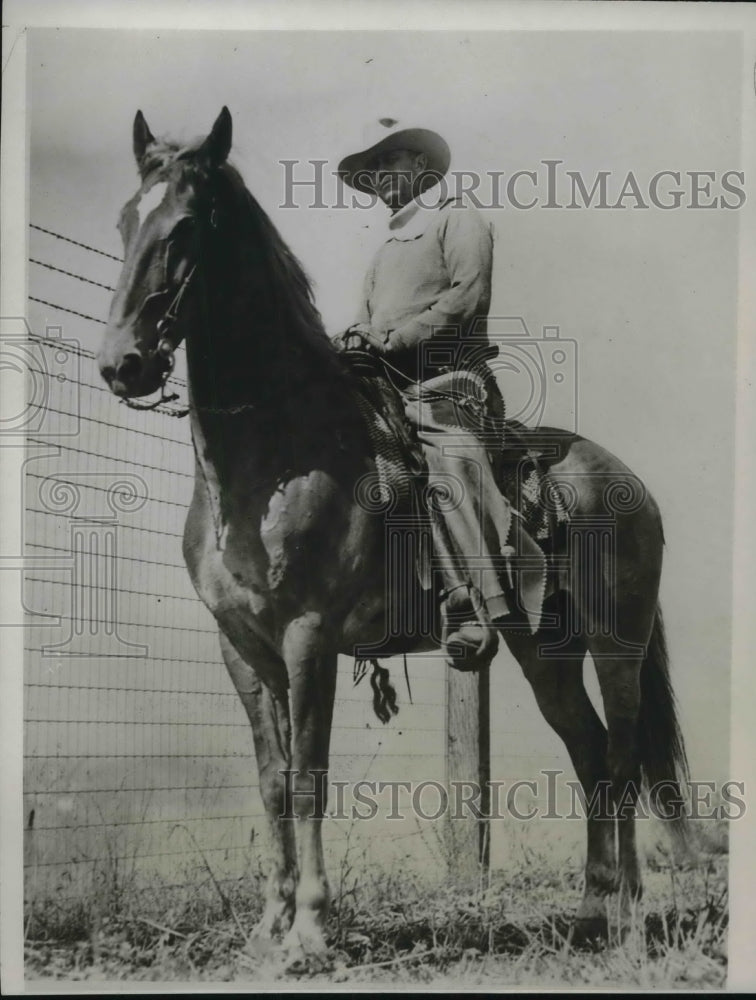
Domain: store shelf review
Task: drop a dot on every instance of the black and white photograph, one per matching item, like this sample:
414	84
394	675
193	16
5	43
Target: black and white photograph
377	492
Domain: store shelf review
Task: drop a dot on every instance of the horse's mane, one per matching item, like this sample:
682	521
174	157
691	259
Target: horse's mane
287	283
290	286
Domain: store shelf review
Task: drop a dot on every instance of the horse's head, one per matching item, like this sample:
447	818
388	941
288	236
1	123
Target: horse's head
162	229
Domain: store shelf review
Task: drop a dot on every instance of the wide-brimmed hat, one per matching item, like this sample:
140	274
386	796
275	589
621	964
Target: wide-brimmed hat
385	135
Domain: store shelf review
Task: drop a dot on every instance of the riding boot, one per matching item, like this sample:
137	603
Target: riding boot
469	638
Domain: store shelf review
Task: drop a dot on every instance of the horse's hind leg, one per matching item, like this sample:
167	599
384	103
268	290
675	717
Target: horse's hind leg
557	683
271	730
619	680
618	628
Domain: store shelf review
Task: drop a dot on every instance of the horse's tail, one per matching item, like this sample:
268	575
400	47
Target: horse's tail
662	748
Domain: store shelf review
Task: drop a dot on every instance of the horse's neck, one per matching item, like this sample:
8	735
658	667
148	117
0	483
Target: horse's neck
238	418
223	341
267	403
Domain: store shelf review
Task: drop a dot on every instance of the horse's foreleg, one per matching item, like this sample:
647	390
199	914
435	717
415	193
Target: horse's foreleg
312	680
271	729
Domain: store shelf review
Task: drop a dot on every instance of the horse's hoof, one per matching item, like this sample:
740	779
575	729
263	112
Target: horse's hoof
307	965
305	954
267	930
605	924
298	962
260	945
589	931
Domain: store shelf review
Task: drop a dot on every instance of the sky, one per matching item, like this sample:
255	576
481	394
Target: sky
645	299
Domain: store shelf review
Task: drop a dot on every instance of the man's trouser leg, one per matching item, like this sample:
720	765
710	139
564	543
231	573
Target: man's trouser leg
475	515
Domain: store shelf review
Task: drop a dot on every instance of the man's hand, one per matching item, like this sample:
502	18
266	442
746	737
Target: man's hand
359	338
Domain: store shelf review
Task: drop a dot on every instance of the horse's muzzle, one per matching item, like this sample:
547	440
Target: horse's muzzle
123	376
128	372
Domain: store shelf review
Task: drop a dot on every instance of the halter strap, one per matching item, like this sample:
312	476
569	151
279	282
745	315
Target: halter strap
166	349
165	346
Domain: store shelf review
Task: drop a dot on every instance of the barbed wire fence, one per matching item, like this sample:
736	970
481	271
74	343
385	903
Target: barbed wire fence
133	732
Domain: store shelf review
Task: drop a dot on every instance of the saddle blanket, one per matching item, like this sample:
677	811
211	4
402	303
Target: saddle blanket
400	464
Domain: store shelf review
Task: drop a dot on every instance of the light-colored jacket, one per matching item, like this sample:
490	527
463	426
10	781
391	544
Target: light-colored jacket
431	281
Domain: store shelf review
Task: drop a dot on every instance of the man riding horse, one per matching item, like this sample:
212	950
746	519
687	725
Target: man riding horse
287	559
425	303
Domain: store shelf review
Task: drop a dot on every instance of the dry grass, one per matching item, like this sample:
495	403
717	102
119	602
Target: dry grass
392	927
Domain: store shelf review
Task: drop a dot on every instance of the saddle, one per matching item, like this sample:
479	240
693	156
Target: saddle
523	477
522	470
400	464
399	484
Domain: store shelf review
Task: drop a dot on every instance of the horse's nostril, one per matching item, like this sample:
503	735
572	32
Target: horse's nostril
129	368
108	372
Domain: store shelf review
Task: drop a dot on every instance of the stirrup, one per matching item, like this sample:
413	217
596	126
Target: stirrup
469	638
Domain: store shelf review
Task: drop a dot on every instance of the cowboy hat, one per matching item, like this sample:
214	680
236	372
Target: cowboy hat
386	135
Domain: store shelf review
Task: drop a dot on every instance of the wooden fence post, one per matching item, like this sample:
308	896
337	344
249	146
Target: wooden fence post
468	758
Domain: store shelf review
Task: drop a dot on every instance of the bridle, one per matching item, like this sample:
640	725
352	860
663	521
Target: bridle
166	348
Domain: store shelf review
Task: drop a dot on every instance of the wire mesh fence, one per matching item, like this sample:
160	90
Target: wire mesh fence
138	753
132	726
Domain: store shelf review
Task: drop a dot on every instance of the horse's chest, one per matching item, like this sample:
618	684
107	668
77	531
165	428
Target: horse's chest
220	588
251	567
229	569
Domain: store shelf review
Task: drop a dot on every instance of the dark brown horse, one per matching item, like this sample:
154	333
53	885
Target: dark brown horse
292	566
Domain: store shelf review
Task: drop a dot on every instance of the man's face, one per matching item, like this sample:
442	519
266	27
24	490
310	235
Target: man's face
394	176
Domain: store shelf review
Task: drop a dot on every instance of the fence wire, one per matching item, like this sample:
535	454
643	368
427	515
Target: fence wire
132	725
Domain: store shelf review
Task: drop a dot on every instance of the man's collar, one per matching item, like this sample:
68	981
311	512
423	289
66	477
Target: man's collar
405	214
414	218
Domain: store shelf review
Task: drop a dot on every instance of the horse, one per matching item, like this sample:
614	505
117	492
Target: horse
291	565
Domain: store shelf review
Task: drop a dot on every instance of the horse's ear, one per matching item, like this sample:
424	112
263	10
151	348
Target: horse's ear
217	146
142	137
